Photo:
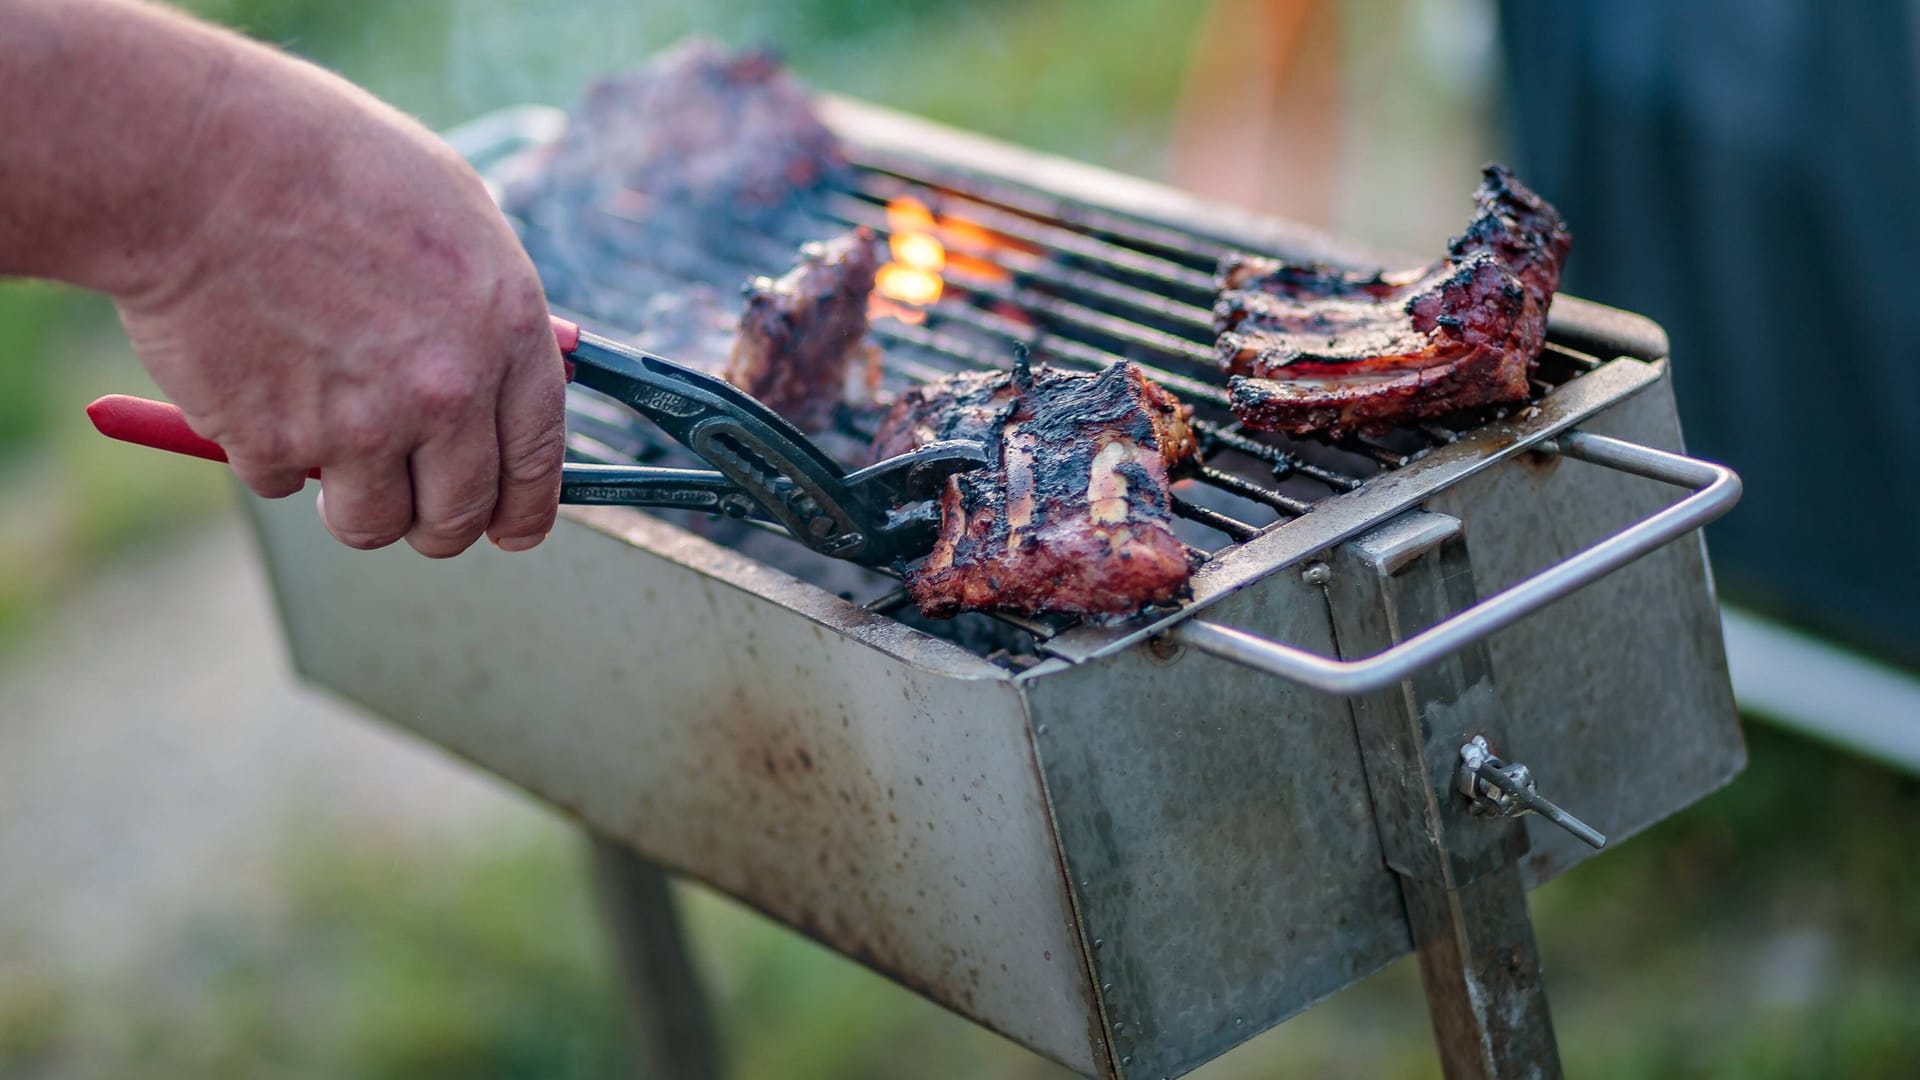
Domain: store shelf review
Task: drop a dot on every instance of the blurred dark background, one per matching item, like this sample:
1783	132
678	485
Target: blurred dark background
206	870
1748	173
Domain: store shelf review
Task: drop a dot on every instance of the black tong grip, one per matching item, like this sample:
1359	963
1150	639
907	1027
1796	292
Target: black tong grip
794	483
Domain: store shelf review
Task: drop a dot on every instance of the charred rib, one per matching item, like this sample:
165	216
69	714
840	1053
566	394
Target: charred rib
1076	517
1312	349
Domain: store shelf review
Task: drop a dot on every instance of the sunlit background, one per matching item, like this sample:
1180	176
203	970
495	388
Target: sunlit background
206	870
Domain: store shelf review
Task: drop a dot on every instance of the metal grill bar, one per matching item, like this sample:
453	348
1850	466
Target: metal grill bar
1052	309
1040	234
1581	360
1025	267
1284	464
933	341
1176	243
1044	341
1253	492
1214	519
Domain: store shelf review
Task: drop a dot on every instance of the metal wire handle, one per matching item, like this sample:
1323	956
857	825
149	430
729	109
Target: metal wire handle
1715	489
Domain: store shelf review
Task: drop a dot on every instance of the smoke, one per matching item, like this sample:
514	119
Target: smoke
503	52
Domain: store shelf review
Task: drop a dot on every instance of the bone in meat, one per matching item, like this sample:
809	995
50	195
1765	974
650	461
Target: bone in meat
1075	518
1317	350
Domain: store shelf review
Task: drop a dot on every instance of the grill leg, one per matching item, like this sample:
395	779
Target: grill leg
1459	875
674	1027
1482	976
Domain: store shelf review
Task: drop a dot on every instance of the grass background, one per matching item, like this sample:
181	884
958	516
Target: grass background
1764	933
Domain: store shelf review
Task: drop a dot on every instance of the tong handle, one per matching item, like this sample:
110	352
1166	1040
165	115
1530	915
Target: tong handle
155	424
161	426
700	490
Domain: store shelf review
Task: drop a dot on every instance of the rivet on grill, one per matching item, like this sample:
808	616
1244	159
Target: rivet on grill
1041	730
1317	573
1164	649
1097	942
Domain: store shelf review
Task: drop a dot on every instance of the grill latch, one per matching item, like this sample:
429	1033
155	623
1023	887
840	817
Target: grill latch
1494	786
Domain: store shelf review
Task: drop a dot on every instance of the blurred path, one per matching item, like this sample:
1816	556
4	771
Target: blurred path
156	752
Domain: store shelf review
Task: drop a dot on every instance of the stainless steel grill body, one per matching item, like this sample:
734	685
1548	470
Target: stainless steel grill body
1130	857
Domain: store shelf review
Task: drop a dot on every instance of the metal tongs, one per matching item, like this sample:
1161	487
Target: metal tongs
763	467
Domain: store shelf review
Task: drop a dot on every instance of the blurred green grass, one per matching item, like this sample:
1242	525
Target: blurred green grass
1764	933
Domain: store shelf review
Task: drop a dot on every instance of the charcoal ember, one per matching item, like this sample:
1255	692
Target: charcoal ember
1075	517
702	163
1316	350
802	345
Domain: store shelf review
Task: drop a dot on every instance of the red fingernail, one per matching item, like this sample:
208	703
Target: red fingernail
518	543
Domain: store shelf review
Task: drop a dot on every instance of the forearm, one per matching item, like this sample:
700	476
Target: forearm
125	125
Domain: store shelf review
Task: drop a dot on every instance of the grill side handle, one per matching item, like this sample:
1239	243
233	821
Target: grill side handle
1716	489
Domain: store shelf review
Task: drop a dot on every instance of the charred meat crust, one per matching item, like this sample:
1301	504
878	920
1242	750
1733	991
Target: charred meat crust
1075	517
804	335
1311	349
700	139
666	182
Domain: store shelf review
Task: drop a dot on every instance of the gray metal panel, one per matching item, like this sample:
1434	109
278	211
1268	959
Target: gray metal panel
1619	696
863	782
1218	837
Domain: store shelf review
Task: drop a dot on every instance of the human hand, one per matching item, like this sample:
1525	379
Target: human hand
353	300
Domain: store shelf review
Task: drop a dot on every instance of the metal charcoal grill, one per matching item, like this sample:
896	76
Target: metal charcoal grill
1128	847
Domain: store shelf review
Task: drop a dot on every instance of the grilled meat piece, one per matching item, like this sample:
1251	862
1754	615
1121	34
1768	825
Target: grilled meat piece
698	166
802	345
1076	517
1313	349
668	186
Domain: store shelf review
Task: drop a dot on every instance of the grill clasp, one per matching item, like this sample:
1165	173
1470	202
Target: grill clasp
1494	786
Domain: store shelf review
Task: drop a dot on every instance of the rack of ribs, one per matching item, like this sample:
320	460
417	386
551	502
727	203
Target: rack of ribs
1316	350
1075	517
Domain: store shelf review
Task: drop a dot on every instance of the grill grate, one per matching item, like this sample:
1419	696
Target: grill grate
1087	289
1081	288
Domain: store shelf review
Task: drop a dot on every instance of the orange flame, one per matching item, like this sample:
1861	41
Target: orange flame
913	277
918	250
908	284
924	248
908	214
